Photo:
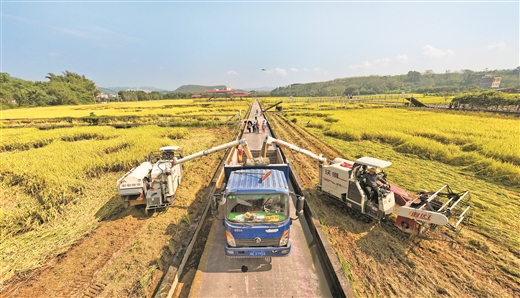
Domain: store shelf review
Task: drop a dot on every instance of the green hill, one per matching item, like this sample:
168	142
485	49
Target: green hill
198	88
450	83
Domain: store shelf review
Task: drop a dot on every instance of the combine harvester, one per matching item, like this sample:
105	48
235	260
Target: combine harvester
154	182
256	196
343	180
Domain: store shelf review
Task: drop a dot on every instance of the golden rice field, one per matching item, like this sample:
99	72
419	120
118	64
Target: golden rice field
479	145
54	194
468	151
135	108
342	102
160	112
58	185
487	146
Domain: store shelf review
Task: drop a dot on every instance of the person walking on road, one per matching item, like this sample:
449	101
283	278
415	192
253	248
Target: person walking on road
249	126
254	124
264	125
257	125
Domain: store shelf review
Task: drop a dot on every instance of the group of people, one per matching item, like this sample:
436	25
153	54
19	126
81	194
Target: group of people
255	125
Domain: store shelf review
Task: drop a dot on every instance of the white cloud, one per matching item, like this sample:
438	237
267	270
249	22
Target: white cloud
280	71
293	69
306	69
431	52
73	32
319	70
401	58
231	72
374	63
500	46
17	18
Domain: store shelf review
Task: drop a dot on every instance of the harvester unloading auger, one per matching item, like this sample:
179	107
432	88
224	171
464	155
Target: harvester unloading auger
343	180
154	182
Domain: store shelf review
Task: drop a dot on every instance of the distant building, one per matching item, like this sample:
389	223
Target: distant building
102	95
228	92
488	81
106	96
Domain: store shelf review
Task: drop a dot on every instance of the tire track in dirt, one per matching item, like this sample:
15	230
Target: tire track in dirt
73	273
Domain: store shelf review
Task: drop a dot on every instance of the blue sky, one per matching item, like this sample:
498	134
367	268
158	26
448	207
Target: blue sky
167	44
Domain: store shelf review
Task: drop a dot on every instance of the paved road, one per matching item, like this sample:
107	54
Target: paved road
297	275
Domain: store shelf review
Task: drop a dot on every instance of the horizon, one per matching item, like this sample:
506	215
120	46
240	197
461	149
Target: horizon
249	44
143	88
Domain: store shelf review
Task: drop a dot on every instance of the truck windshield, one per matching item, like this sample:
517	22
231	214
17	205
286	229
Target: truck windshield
257	207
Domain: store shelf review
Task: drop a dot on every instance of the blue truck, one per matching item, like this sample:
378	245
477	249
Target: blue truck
257	213
257	204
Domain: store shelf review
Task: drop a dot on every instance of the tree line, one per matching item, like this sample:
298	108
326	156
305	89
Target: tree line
70	88
487	99
429	83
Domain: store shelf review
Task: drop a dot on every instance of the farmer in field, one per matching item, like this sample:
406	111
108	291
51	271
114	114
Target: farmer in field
371	177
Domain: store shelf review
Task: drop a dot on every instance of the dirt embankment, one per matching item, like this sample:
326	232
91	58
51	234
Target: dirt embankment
380	260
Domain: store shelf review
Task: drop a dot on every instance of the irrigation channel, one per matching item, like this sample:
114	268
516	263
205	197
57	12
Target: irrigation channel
201	268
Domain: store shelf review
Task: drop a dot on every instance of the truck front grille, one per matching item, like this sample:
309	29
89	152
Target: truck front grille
252	243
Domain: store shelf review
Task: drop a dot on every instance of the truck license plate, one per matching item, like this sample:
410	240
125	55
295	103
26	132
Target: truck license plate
257	254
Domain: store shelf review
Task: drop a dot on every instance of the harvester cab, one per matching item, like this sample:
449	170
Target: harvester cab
154	182
344	180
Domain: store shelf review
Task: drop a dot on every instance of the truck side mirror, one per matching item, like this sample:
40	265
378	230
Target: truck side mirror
300	201
215	202
214	205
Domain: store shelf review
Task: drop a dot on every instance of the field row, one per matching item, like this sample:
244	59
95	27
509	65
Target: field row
138	108
486	145
54	172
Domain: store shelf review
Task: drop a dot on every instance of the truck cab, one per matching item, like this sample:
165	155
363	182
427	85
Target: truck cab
257	213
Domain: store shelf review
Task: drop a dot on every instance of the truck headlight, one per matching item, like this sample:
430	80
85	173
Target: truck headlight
230	239
285	238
